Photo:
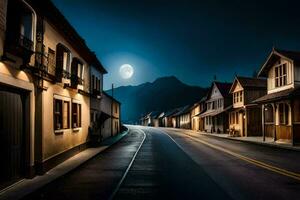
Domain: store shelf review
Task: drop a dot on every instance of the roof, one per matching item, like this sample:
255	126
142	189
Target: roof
47	9
223	87
215	112
248	82
171	112
154	114
112	98
274	56
183	110
278	95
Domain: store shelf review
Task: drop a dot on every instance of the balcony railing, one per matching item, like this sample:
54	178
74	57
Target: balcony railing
25	43
44	64
20	46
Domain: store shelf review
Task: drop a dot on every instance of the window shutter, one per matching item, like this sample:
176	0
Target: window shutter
59	62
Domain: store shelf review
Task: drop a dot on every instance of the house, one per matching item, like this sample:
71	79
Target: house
157	120
44	89
197	123
167	118
97	117
183	117
281	104
218	102
110	112
245	116
153	118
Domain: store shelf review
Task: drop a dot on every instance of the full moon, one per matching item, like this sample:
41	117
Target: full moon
126	71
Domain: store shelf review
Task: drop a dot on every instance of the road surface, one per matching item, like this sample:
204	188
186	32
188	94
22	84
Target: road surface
161	163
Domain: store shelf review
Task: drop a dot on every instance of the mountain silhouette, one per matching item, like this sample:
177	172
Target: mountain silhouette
161	95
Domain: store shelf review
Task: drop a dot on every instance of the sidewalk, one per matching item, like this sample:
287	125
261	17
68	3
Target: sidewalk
254	140
27	186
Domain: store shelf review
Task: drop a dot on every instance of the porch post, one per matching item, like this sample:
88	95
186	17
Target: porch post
292	121
263	121
274	105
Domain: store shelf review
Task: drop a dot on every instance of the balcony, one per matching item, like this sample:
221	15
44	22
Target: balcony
19	46
75	81
44	65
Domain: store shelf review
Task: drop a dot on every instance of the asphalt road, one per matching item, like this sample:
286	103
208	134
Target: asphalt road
180	164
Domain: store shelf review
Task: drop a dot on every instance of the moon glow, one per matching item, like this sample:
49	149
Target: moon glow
126	71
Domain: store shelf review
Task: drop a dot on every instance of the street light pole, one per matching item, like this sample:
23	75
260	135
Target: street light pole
111	109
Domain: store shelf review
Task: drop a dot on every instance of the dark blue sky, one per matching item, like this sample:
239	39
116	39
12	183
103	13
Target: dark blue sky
193	40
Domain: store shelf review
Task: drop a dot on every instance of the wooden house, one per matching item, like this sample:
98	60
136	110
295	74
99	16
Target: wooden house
245	116
183	117
218	102
167	118
281	104
197	123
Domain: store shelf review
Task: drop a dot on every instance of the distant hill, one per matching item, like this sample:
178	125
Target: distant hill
163	94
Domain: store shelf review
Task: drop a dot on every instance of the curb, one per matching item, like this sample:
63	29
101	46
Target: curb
13	192
256	143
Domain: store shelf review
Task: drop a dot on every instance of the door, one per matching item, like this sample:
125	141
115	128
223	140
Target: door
11	136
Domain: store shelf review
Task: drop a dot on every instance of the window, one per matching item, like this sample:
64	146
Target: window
26	24
241	96
283	114
61	114
66	61
281	75
80	70
76	115
93	82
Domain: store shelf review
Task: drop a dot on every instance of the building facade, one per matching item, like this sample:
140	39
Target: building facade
110	111
45	89
245	116
280	106
218	102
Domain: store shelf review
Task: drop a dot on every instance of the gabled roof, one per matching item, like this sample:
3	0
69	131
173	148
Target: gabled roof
223	87
293	56
154	114
248	82
183	110
171	112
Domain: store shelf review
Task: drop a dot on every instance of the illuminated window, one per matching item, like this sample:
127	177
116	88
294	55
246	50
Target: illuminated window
61	114
76	115
281	75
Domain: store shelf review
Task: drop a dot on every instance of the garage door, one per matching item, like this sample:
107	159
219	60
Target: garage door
11	136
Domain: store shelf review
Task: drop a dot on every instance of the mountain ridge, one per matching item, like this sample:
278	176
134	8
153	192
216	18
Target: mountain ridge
162	94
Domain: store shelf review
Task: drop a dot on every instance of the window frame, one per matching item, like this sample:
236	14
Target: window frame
76	116
280	76
60	114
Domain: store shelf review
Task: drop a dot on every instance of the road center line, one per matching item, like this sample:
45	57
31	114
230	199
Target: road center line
128	167
247	159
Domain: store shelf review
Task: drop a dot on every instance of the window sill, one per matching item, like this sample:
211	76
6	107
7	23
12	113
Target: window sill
76	129
59	132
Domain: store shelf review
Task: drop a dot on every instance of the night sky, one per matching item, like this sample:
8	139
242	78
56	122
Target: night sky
193	40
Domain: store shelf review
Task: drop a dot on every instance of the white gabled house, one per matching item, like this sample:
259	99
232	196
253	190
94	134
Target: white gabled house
218	102
281	104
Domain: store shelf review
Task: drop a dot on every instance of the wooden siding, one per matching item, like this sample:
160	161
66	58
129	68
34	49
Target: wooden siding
269	130
283	132
254	122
